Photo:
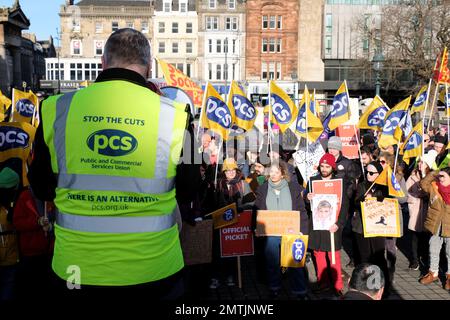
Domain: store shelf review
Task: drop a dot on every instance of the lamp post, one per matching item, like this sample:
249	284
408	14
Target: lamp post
225	48
378	60
57	54
294	79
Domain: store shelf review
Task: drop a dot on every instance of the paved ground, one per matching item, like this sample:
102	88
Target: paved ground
406	285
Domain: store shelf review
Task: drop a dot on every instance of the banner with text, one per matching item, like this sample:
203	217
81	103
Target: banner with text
381	219
237	239
307	162
349	143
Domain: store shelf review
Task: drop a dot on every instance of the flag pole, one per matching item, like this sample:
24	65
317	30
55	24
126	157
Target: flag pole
424	114
200	120
307	106
269	121
13	105
217	163
359	148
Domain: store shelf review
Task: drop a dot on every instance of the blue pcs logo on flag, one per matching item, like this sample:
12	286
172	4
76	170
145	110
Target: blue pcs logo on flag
298	250
281	110
392	122
13	137
340	105
376	118
395	183
244	110
413	142
25	108
217	111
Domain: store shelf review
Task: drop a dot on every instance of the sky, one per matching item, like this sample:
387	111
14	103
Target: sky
43	16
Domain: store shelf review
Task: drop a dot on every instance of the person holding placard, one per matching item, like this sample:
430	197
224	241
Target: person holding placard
320	240
371	250
279	193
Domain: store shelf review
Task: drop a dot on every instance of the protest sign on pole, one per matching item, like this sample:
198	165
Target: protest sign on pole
224	216
307	161
237	239
381	219
277	223
196	242
350	148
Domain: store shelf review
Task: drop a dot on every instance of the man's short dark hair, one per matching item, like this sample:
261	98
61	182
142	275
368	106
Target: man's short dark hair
127	46
366	150
367	278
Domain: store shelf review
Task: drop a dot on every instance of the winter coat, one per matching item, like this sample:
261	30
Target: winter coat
417	203
320	240
297	203
438	212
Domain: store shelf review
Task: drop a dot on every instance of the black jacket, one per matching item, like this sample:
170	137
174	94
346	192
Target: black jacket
43	180
320	239
297	203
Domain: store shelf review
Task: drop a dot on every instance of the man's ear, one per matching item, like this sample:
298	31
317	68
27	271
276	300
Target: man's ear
379	294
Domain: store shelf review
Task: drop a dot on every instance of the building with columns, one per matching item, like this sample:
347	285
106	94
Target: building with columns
222	32
175	39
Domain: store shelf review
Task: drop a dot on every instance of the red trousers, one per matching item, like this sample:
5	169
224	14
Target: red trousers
322	272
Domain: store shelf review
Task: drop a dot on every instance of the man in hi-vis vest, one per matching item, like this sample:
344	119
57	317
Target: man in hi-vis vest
107	156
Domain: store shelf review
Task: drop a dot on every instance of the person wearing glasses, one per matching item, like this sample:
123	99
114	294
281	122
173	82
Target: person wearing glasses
443	158
371	250
437	185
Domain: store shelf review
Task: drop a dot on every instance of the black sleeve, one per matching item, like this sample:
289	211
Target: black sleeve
41	176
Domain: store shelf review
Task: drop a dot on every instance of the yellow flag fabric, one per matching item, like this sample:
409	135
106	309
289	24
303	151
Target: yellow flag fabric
284	111
225	216
216	115
293	250
373	117
176	78
5	103
245	112
421	99
340	111
314	126
24	107
387	178
16	139
391	121
412	147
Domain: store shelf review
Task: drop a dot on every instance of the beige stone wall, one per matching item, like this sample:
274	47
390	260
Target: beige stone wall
288	57
310	39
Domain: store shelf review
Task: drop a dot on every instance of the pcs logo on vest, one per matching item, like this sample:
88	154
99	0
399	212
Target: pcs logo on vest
298	250
112	142
12	137
25	108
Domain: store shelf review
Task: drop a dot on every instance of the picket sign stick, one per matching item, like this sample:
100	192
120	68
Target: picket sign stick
433	103
217	163
239	272
424	114
269	123
333	251
13	105
369	189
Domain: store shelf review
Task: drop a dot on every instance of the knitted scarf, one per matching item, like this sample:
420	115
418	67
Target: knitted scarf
279	196
444	192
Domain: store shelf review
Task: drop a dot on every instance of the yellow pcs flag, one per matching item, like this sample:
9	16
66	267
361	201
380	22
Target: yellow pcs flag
391	122
293	250
24	107
5	103
19	137
216	115
307	121
387	178
373	117
245	112
284	111
225	216
340	111
421	99
412	147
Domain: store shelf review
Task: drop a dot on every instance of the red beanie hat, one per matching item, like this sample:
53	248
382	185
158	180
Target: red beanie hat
328	159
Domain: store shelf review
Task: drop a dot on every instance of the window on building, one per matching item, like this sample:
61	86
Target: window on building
162	47
114	26
278	45
272	23
72	75
189	27
76	25
327	44
183	6
264	45
219	72
167	6
175	47
188	47
210	71
130	24
210	46
365	45
87	75
76	47
234	47
98	27
231	23
264	71
271	70
161	27
265	22
232	4
180	67
212	4
234	71
272	44
279	22
188	69
278	75
144	27
225	71
328	23
219	46
98	45
79	74
212	23
174	27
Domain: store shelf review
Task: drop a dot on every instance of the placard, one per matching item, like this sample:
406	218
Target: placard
277	223
381	219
